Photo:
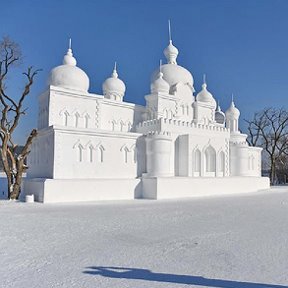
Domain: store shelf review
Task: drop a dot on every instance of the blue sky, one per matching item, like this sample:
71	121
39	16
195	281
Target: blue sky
242	46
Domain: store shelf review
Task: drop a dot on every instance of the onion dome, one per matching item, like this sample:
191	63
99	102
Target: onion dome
113	87
232	112
69	75
205	96
219	115
171	53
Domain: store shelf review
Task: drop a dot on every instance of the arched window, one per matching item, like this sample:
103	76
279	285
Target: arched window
66	115
80	153
126	154
100	152
91	153
166	115
210	159
197	161
113	125
222	162
129	126
86	119
121	126
77	116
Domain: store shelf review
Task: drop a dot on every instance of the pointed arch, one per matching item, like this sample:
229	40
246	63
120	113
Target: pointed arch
210	159
86	120
125	150
129	126
100	153
114	123
76	116
134	150
80	149
197	162
221	162
91	153
66	117
122	124
165	113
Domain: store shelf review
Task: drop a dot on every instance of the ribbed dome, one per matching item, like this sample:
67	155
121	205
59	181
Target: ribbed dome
206	97
113	85
160	85
69	75
232	112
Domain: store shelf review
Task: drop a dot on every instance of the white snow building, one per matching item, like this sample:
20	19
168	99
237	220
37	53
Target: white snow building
99	147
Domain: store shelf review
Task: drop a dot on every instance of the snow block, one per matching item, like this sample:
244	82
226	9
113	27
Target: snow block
182	187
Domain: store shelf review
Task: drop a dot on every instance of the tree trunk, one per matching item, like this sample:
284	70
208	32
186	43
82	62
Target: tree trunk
272	171
14	195
17	181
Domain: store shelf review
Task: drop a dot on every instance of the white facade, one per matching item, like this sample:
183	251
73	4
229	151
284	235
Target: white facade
99	147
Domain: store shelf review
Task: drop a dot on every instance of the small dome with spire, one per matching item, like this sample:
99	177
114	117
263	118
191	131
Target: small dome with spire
160	85
113	87
219	115
69	75
205	96
232	113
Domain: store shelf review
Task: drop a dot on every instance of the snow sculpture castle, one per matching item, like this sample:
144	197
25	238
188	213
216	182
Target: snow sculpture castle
99	147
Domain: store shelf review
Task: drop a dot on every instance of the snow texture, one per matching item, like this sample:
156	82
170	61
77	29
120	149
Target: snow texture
228	242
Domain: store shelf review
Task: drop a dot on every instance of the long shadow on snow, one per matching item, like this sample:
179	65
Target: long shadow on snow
147	275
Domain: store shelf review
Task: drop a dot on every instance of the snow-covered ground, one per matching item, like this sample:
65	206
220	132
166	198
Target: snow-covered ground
227	242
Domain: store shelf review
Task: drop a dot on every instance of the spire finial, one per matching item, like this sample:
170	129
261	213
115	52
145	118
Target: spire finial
68	58
218	106
114	73
160	69
169	31
204	85
232	100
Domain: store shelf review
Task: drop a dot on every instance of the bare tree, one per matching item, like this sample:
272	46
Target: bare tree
269	129
10	114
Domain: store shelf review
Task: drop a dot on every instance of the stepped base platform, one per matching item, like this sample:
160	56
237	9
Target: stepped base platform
79	190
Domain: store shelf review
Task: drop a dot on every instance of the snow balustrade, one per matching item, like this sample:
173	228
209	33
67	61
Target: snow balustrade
162	123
